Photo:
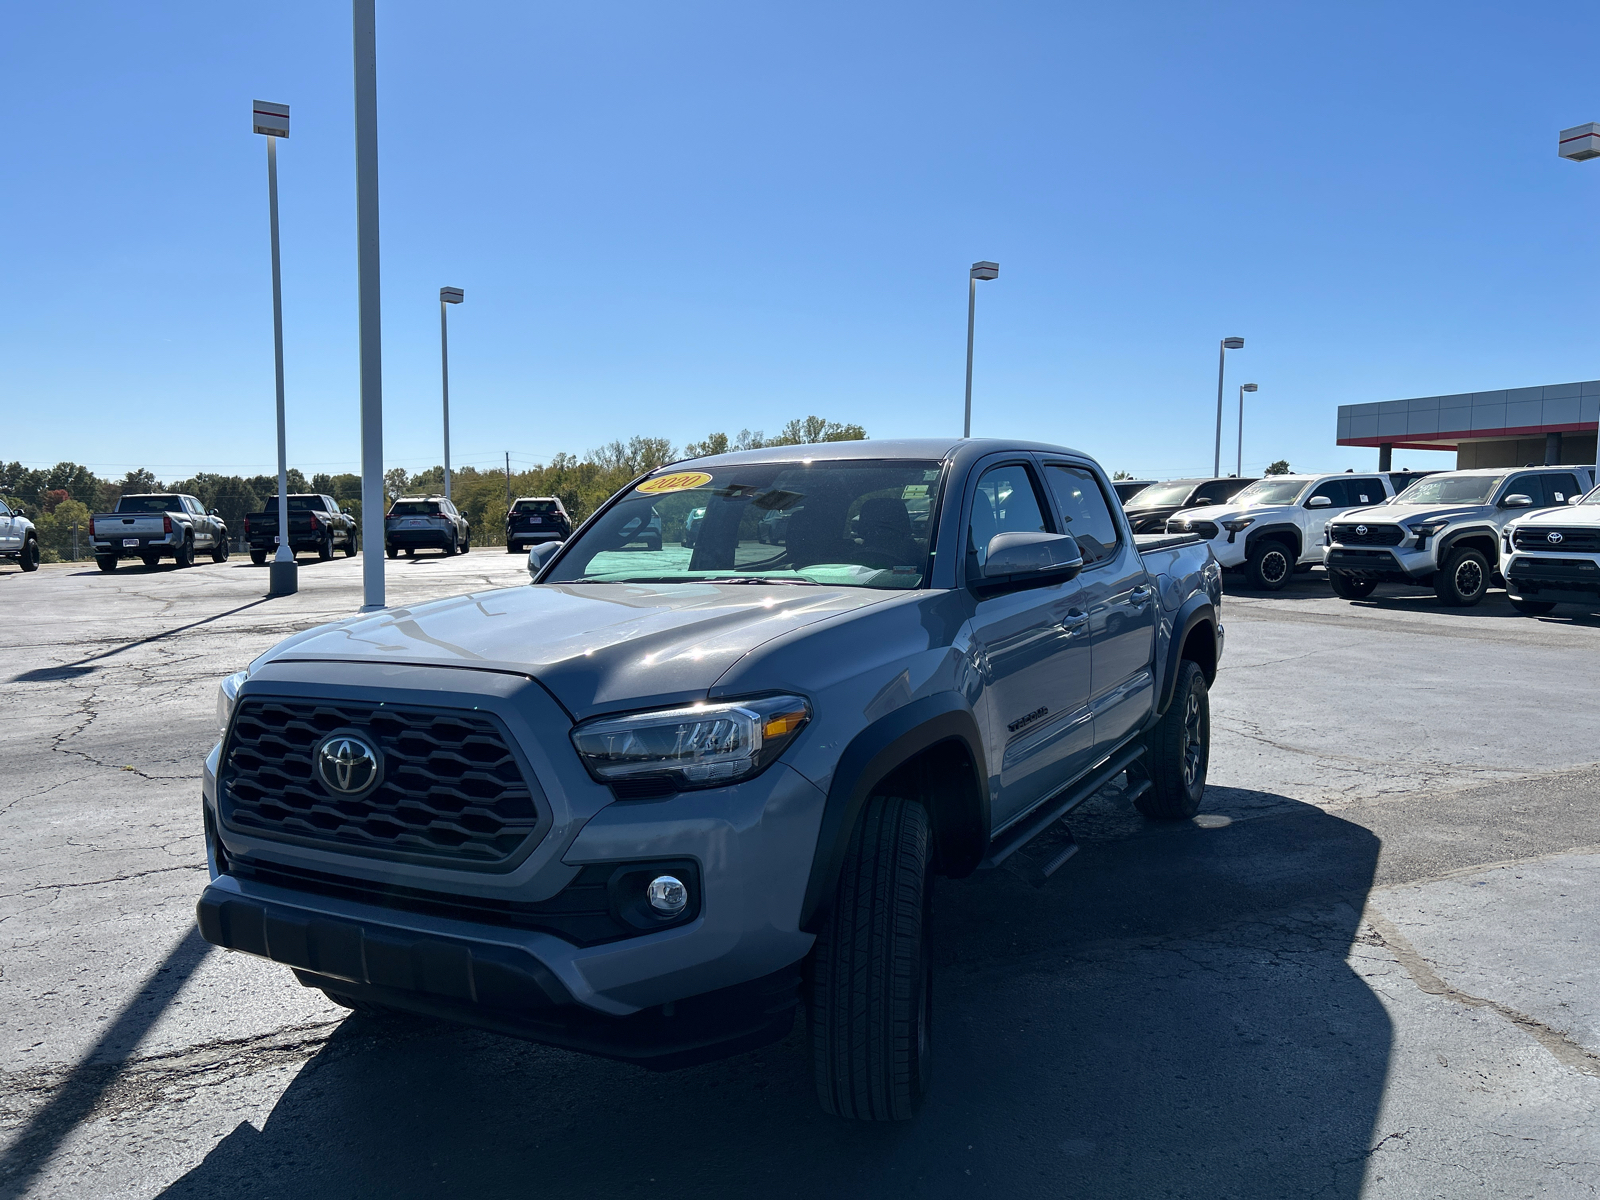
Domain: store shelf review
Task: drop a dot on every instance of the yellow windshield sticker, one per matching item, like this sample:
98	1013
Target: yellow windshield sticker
678	481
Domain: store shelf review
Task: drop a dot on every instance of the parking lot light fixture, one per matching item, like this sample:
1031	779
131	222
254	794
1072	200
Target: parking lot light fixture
447	295
273	121
1228	343
1580	144
1238	470
980	270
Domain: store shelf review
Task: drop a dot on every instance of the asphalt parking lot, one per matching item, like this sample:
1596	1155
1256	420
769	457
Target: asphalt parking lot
1367	969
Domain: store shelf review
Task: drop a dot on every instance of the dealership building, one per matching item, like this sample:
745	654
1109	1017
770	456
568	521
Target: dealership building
1513	428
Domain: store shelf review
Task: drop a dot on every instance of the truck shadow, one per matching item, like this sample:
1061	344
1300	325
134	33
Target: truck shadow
1170	1014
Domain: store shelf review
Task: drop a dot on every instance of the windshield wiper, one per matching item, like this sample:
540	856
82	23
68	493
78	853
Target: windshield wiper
755	579
689	579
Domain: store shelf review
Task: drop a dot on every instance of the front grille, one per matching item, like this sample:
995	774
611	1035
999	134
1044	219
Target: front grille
1582	540
451	790
1206	529
1375	535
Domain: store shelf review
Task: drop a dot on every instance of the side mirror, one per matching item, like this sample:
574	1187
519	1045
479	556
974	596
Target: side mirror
1202	500
215	512
1027	557
1517	500
541	554
1319	502
1574	499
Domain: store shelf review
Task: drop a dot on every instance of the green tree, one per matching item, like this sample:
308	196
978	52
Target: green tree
1121	475
635	456
139	481
716	443
1281	467
803	431
55	531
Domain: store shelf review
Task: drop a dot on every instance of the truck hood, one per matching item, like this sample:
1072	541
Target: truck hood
1567	515
1227	512
1410	514
595	646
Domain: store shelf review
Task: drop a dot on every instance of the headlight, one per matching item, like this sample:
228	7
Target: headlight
227	694
1238	524
1426	529
705	745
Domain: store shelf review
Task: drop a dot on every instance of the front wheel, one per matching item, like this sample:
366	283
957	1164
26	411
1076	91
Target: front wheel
1269	567
1348	587
29	559
1178	750
219	550
1464	579
871	991
1533	608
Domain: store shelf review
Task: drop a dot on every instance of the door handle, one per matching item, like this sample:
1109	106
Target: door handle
1074	622
1140	595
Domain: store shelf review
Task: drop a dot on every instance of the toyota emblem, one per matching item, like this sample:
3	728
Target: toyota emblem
1361	531
1554	535
346	765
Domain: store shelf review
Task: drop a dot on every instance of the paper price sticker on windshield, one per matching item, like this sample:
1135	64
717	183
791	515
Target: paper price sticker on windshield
679	481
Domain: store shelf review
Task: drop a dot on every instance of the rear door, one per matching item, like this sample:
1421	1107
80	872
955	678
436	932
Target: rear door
1030	650
1559	488
1120	600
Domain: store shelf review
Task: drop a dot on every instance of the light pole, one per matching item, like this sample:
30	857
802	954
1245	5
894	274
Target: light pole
371	332
980	270
1228	343
1238	470
1580	144
273	120
447	295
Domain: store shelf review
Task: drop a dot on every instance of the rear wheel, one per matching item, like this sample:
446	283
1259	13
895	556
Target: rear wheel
392	551
1348	587
185	554
258	557
450	549
1178	750
511	547
28	560
1533	608
871	993
350	544
106	562
1269	567
1464	579
411	551
325	547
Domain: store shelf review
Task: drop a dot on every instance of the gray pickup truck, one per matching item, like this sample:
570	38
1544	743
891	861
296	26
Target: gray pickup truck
649	805
156	526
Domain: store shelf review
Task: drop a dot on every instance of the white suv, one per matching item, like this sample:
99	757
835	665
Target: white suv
1444	531
1553	557
1274	526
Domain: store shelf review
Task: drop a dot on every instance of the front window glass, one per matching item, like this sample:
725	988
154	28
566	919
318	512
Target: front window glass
1159	494
414	508
1450	489
149	504
1271	491
858	523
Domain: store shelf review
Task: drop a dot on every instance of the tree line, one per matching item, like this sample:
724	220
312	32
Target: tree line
67	494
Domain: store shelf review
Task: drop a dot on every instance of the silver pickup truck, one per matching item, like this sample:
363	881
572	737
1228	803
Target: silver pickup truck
650	804
156	526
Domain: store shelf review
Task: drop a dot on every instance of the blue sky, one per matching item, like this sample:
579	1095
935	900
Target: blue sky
676	219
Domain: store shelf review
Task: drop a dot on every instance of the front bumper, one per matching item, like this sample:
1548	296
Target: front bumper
1386	564
1548	578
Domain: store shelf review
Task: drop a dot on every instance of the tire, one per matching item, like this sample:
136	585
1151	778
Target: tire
411	551
1348	587
184	557
258	557
451	550
28	560
871	997
1464	579
1269	567
219	550
1533	608
151	561
511	547
106	562
392	551
352	543
653	543
466	545
325	547
1178	750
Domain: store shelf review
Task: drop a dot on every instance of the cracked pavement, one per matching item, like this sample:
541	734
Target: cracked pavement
1368	969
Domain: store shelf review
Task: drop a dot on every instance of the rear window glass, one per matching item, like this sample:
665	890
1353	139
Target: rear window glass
149	504
414	508
539	508
306	504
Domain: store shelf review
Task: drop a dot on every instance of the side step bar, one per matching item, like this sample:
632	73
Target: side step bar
1011	839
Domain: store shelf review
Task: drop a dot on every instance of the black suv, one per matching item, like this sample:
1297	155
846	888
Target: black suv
535	519
1149	509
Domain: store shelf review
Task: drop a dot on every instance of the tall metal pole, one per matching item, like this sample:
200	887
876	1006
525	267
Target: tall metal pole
282	573
508	480
444	367
972	304
371	353
1216	461
1238	470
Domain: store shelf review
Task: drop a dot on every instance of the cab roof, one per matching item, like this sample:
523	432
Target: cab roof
937	449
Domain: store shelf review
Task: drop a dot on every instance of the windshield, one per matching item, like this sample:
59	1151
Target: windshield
1450	489
1158	494
414	508
1271	491
149	504
539	508
307	504
844	524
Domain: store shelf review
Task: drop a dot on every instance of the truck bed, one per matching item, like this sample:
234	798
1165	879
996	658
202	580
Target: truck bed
1148	543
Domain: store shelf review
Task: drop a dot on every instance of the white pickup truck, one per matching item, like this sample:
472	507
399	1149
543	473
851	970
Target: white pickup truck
156	526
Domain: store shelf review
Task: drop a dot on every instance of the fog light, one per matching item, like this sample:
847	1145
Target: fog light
667	895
